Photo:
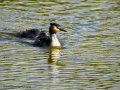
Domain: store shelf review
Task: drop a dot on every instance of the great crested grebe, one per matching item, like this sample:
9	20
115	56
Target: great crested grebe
32	33
45	39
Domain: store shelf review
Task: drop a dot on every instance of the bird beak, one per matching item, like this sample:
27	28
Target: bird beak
63	30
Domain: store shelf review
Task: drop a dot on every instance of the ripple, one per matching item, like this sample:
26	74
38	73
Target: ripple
89	58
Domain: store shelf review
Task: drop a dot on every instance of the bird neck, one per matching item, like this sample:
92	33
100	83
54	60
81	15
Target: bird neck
54	40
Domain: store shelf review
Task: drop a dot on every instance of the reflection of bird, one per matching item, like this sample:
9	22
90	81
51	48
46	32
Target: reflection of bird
54	55
32	33
44	39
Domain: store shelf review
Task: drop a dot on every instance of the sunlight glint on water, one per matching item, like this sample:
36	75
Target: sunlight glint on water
88	60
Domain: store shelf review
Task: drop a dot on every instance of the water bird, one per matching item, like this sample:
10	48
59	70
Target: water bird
46	38
32	33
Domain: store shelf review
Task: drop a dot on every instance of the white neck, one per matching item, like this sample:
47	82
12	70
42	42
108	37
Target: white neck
54	41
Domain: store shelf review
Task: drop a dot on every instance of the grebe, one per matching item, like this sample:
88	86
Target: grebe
32	33
45	39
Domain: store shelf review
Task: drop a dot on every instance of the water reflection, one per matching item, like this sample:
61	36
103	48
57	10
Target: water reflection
52	60
91	60
53	55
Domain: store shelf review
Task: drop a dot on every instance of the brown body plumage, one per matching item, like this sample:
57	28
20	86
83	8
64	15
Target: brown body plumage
32	33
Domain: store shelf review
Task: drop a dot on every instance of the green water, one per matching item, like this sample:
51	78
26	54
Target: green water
88	60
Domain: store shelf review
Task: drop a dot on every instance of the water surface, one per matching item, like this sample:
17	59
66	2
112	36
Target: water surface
88	60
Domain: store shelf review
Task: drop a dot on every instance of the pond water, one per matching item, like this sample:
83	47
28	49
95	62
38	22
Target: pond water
88	60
